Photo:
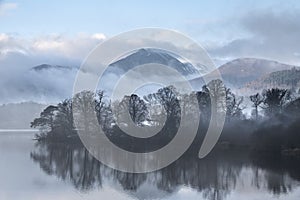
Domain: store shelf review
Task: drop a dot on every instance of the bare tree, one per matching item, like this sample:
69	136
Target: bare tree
275	99
233	105
256	99
84	108
137	108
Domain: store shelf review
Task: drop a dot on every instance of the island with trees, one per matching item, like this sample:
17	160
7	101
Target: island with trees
272	128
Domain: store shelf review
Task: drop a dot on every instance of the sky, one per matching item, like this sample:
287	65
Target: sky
64	32
112	17
227	29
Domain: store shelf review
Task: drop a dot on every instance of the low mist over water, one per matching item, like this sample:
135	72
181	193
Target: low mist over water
63	171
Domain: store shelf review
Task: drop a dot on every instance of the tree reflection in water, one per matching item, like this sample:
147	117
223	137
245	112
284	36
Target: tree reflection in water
214	176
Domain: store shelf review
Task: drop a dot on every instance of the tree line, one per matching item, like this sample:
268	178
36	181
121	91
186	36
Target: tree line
272	126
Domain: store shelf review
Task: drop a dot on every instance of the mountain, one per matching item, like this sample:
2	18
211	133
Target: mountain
150	55
52	83
289	79
50	67
124	64
136	58
241	71
237	74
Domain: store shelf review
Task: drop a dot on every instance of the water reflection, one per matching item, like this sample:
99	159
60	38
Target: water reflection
214	177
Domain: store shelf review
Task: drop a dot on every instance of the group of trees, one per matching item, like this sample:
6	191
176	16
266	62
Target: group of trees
270	106
56	121
273	101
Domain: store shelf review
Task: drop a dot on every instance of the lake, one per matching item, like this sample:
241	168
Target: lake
31	171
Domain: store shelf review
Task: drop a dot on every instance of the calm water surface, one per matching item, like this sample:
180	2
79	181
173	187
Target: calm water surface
58	171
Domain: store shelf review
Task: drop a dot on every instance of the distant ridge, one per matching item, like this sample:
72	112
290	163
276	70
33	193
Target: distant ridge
49	67
238	73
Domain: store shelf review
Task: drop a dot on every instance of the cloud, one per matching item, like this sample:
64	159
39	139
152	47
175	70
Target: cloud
261	33
54	48
99	36
270	34
5	8
18	82
3	37
18	55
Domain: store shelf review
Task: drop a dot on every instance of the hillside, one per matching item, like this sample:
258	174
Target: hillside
239	73
289	79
